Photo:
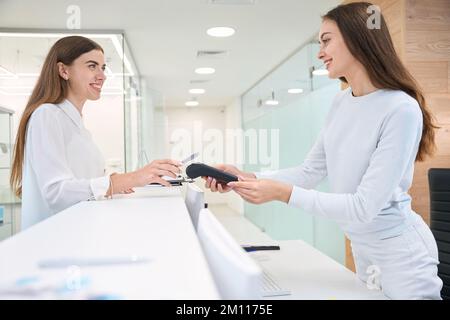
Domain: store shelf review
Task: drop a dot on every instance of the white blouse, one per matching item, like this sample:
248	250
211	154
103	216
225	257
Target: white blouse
62	165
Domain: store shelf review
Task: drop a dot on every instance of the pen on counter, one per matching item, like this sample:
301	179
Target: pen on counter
249	248
97	261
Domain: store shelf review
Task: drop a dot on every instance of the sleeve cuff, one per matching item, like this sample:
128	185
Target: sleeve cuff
302	198
265	174
258	175
99	187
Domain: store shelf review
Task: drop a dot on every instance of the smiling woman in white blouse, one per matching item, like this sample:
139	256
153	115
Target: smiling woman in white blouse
56	163
374	132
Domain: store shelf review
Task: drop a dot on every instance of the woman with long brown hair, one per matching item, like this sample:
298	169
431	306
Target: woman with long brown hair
374	132
56	163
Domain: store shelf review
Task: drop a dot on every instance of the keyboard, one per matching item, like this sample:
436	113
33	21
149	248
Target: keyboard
270	287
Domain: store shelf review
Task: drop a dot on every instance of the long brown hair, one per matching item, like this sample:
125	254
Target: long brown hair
50	88
374	49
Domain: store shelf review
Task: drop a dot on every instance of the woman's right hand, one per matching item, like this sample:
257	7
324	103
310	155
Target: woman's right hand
214	186
153	172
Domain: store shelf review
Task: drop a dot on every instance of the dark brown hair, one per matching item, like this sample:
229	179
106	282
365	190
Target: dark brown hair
374	49
50	88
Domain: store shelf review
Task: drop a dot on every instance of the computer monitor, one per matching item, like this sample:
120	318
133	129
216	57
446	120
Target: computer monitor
236	275
195	201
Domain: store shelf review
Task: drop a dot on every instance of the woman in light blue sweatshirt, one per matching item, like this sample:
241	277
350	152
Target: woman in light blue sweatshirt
374	132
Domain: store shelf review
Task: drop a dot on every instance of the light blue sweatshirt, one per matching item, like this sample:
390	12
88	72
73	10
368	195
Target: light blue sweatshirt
367	150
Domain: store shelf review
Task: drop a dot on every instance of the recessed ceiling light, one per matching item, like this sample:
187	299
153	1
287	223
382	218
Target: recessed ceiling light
205	70
295	90
191	103
197	91
220	32
272	102
320	72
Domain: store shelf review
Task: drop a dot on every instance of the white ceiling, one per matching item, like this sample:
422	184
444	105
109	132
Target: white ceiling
165	35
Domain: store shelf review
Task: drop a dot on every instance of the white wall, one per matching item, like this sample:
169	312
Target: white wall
193	123
197	123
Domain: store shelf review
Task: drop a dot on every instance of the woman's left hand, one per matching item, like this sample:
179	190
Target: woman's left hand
259	191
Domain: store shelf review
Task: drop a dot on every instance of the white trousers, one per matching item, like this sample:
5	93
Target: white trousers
405	266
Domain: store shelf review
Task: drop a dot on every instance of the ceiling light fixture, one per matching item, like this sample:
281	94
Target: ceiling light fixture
319	72
197	91
220	32
191	103
295	90
205	70
272	102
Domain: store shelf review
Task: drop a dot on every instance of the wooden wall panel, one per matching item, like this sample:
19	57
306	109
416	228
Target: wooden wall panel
427	46
398	38
426	15
391	10
432	76
349	262
427	53
440	105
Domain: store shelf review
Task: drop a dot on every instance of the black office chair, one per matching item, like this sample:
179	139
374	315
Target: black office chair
439	182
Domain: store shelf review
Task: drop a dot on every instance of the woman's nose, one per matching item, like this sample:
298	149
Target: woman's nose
321	54
101	75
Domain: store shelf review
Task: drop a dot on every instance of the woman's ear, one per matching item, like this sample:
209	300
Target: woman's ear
63	72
